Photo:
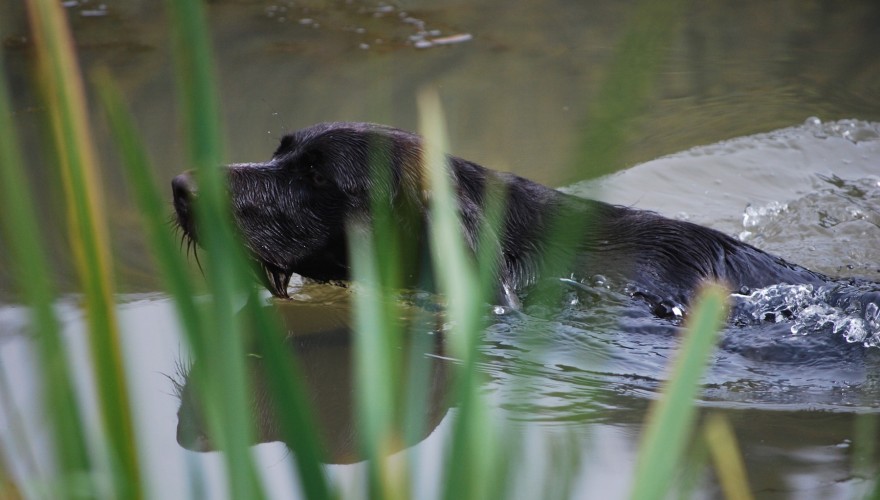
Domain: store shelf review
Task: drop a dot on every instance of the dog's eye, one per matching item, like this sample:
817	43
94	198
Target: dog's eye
317	178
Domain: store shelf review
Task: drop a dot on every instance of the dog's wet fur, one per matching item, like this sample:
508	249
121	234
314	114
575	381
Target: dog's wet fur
295	210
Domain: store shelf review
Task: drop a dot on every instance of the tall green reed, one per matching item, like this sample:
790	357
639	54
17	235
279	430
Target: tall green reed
298	425
31	273
625	90
476	462
221	375
65	97
472	452
671	418
215	332
728	460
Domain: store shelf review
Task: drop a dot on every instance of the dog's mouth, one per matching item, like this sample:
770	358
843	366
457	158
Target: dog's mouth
273	277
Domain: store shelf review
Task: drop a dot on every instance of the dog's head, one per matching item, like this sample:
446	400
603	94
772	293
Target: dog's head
293	211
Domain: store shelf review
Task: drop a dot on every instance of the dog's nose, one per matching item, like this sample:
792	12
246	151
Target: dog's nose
183	186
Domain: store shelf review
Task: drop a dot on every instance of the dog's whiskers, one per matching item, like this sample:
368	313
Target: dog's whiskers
193	247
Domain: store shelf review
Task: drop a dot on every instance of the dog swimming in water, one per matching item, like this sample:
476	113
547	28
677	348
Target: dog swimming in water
294	210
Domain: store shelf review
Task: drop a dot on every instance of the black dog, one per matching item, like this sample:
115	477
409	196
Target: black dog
294	210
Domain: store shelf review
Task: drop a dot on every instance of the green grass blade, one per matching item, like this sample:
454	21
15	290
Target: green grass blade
469	464
30	269
292	406
16	444
729	466
227	274
153	209
624	91
455	270
8	487
195	73
373	360
627	87
671	418
393	383
65	96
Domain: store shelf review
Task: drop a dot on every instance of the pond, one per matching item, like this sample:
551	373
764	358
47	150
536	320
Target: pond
762	122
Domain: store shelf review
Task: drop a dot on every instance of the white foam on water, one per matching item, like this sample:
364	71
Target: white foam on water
812	310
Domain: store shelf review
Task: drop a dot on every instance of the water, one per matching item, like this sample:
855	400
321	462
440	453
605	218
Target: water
766	131
585	375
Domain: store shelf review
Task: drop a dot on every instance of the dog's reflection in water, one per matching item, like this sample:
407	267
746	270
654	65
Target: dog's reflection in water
320	341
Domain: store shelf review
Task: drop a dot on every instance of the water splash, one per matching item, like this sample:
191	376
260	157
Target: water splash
846	309
855	131
756	216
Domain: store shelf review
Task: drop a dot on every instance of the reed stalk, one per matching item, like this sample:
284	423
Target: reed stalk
64	94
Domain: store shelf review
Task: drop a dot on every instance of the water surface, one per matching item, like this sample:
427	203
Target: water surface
727	139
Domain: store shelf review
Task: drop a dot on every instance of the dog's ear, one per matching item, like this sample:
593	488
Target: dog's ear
285	146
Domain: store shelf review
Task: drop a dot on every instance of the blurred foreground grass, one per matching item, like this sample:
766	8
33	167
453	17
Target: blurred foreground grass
481	456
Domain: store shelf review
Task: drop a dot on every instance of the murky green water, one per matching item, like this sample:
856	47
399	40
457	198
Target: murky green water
516	94
517	80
